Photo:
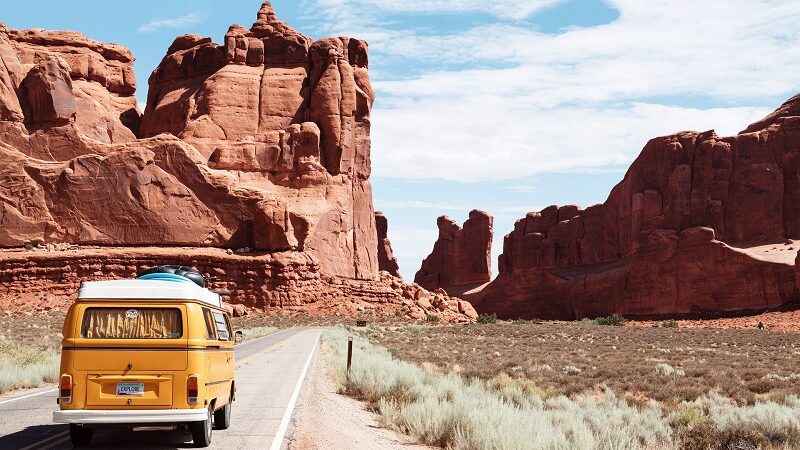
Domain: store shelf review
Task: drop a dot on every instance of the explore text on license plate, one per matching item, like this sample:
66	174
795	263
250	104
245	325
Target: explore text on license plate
130	389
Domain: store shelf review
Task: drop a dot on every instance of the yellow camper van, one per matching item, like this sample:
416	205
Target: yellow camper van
154	352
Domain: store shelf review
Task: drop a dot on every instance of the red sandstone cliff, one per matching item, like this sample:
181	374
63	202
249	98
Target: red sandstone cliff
680	234
262	142
461	257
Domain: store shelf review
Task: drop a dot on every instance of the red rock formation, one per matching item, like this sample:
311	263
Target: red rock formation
676	236
267	146
461	258
386	260
262	142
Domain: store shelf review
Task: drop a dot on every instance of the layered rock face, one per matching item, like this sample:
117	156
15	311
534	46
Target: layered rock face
461	257
682	233
261	142
40	280
386	260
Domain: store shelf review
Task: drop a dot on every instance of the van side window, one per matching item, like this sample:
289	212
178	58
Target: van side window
211	327
222	326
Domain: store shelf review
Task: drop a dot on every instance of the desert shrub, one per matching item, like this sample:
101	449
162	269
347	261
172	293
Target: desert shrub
687	417
571	370
515	388
670	324
612	320
249	334
685	394
433	318
665	370
26	366
761	386
487	318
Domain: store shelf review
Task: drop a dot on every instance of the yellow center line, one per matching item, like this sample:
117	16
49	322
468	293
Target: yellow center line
244	360
44	441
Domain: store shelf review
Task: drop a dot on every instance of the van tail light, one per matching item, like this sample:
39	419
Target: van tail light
192	389
65	389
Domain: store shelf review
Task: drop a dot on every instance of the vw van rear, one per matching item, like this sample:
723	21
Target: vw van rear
154	352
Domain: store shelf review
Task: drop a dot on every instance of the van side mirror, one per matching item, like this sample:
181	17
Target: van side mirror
238	336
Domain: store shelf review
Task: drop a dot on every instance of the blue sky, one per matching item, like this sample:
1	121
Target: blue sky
503	105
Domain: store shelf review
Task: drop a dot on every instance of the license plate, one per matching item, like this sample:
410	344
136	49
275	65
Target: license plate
130	389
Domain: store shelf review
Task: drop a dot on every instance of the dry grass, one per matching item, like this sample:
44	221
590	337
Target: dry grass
26	366
669	365
256	332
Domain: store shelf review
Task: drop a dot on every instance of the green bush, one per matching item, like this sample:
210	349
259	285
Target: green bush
613	320
487	318
670	324
432	318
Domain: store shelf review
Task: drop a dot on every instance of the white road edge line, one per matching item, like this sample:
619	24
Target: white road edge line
3	402
287	415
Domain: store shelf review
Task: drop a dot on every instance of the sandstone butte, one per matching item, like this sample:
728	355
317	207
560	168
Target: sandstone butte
699	224
261	143
461	260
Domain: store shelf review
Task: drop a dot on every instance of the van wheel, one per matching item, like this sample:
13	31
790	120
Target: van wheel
80	436
201	431
222	417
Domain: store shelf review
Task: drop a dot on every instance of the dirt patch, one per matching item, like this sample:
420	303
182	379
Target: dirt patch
325	419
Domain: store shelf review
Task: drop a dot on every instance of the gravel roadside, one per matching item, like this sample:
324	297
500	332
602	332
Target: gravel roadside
324	419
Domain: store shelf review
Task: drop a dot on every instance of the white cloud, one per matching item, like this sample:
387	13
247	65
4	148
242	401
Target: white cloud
463	139
183	21
417	204
506	9
589	97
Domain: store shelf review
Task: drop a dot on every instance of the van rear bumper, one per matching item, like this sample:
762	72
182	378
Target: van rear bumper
113	416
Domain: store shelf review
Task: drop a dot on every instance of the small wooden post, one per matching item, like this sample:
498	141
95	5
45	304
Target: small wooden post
349	355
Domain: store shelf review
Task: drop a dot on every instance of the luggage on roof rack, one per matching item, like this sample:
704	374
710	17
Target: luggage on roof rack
190	273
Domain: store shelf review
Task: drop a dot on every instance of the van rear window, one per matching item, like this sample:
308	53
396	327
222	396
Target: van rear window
132	323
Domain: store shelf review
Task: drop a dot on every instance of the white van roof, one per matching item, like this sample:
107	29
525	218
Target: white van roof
147	290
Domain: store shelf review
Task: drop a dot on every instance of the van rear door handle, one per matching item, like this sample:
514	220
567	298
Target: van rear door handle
213	346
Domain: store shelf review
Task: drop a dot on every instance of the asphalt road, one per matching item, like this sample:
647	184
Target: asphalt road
269	373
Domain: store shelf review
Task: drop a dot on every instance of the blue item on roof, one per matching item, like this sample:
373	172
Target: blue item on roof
165	277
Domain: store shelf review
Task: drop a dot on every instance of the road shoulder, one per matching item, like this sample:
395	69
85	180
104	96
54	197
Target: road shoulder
324	419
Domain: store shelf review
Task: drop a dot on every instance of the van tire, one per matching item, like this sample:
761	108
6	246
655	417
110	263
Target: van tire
201	431
222	417
80	436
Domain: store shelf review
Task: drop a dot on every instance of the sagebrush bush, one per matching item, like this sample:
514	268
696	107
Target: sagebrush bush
26	366
665	370
670	324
